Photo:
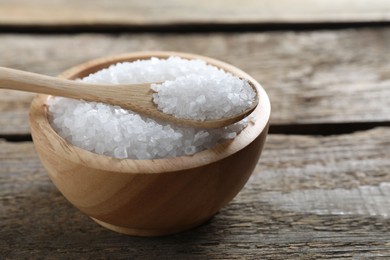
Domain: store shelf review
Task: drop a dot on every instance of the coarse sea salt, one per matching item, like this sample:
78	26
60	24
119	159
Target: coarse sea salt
113	131
211	96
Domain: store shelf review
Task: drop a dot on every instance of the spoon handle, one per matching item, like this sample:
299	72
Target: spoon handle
112	94
32	82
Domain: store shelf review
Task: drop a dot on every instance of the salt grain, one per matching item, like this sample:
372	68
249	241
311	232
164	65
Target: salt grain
192	89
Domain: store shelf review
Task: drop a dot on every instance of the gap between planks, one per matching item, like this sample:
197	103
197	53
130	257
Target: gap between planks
304	129
188	28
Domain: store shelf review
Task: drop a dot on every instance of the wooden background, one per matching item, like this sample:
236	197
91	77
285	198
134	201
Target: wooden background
322	186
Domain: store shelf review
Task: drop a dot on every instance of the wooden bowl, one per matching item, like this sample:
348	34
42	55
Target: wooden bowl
149	197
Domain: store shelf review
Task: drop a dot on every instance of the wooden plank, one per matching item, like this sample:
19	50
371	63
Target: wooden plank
309	197
311	77
135	14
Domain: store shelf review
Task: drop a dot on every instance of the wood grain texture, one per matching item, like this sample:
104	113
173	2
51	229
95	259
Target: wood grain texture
175	13
310	197
311	77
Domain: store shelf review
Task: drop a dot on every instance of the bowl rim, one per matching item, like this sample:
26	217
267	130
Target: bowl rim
220	151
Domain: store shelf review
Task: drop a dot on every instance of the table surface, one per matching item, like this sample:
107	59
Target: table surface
322	186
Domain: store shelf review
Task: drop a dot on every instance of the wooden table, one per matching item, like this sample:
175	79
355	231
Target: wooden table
322	186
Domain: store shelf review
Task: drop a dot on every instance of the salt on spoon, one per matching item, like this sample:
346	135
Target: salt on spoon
136	97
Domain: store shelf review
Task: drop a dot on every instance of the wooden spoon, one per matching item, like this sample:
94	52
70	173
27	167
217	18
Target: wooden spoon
136	97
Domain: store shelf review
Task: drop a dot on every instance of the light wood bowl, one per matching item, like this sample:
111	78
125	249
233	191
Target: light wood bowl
149	197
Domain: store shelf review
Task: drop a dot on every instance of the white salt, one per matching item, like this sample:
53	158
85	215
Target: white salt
202	92
212	95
